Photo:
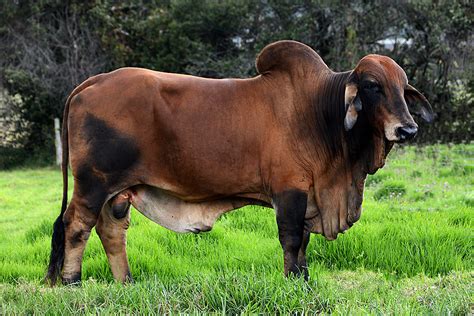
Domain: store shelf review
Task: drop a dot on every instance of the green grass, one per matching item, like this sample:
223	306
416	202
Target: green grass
410	253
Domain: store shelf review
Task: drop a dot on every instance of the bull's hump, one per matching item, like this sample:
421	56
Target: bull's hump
288	56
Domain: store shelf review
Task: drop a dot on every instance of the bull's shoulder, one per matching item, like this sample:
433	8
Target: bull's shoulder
288	56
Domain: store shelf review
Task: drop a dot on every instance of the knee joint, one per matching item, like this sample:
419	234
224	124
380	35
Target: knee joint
79	236
291	242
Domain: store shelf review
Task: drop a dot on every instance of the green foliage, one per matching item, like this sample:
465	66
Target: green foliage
11	157
403	256
48	47
37	107
440	31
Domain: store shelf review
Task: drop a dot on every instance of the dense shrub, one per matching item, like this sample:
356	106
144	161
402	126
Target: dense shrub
10	157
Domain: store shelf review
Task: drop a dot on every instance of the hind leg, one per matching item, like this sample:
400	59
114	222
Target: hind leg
112	228
79	218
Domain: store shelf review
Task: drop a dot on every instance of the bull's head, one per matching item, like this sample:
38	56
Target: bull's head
380	87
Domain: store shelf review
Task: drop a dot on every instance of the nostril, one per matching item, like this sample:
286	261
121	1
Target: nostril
407	132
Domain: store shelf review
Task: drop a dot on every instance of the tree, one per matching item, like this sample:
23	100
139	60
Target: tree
47	54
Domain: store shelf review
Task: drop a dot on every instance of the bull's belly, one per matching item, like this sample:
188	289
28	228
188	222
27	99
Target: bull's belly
178	215
182	216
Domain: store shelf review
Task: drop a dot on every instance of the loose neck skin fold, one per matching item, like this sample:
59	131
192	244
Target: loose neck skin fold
322	127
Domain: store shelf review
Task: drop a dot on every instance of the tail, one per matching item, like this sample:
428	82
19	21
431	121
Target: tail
56	258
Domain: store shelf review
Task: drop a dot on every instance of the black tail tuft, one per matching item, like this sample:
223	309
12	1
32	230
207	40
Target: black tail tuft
56	259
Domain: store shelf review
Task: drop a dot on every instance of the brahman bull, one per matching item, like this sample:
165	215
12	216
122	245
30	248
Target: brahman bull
183	150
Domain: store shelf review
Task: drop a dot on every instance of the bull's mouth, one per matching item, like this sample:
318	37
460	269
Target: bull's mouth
396	140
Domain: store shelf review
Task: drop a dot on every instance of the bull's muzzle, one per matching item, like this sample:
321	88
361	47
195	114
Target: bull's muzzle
406	132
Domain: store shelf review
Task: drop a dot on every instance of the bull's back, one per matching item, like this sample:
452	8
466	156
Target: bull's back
193	136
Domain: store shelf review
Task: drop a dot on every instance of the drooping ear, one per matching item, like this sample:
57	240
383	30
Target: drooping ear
418	104
353	105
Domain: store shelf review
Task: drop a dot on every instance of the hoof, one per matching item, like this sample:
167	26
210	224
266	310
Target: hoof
129	279
74	280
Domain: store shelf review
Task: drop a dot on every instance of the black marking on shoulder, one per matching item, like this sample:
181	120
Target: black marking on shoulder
110	150
111	155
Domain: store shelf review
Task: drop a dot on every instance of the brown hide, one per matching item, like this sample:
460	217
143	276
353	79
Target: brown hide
203	140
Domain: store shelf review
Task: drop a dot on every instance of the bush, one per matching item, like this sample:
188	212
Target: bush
11	157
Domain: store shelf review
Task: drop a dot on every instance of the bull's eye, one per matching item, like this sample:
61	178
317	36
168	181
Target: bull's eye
372	87
371	93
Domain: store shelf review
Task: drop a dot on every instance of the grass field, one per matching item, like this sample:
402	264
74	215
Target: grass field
410	253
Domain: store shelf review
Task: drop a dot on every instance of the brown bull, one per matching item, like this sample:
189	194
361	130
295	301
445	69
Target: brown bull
183	150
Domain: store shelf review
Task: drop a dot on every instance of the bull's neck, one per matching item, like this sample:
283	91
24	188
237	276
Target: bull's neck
327	118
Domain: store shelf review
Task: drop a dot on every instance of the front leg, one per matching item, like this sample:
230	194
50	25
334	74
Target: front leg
302	264
290	206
